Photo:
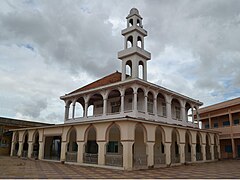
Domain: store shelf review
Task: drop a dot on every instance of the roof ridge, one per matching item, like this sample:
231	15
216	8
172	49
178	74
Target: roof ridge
110	81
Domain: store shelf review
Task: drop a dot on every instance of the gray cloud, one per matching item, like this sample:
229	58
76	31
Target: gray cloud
49	48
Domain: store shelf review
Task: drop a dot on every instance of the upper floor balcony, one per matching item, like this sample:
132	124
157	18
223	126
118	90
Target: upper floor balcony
130	101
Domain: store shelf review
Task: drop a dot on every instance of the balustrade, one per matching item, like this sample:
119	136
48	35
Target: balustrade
114	160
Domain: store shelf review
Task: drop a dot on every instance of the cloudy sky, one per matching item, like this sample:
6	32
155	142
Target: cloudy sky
49	48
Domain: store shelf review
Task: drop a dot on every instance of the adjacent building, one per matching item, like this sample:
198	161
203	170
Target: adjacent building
122	120
224	117
6	136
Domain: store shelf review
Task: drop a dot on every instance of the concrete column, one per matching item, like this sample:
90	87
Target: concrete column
122	103
124	67
168	153
233	148
41	150
232	140
73	111
85	109
105	106
169	110
127	155
192	115
30	149
12	148
135	101
198	117
101	152
193	152
146	104
155	106
63	151
212	151
66	112
20	149
182	152
219	152
183	112
150	153
203	149
80	152
145	70
209	121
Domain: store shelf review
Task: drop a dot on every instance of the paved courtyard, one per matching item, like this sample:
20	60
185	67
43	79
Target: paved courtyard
13	167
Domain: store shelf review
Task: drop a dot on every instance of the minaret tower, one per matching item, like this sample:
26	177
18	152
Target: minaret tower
134	56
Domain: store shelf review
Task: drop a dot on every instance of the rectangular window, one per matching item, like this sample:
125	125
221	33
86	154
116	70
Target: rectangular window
228	148
206	126
215	125
236	122
226	123
112	147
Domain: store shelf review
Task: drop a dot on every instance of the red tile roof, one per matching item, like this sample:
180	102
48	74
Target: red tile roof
109	79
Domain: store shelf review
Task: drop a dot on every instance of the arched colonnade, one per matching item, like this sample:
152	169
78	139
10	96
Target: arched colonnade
123	144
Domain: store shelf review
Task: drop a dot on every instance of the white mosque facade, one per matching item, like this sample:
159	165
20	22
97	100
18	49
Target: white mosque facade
122	120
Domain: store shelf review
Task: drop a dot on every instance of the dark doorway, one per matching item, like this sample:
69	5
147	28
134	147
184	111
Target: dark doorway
52	149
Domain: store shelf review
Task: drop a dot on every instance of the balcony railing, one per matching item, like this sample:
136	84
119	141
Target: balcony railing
90	158
71	156
35	154
24	154
114	160
140	161
160	159
188	157
199	156
175	158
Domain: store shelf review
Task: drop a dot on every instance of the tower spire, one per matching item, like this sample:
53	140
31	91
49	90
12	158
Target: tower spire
134	55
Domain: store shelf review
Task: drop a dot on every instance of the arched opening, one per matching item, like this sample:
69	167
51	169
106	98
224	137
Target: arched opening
79	107
215	147
128	100
52	147
140	101
198	148
114	102
139	22
140	70
114	155
194	111
95	105
150	103
129	42
188	110
139	147
90	110
175	156
176	109
139	42
69	110
159	149
188	146
91	147
128	69
208	148
72	147
130	22
36	145
16	145
25	145
161	105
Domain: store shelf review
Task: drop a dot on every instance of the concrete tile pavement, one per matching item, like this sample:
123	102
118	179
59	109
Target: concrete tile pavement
13	167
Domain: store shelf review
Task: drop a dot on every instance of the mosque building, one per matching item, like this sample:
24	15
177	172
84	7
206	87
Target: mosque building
123	121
